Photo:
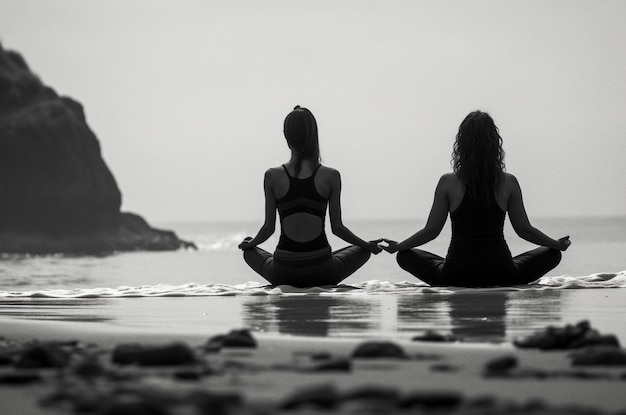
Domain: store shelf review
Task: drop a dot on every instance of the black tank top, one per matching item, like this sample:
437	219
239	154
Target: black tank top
302	196
478	244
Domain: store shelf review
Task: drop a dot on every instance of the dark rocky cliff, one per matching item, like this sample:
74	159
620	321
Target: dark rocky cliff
57	195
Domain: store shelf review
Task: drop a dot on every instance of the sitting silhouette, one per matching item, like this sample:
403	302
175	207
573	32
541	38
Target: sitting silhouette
478	194
301	190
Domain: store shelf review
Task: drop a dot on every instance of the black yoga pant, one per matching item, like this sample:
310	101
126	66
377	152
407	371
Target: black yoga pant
328	271
431	269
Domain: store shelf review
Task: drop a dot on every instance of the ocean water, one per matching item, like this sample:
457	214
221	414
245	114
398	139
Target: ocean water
212	290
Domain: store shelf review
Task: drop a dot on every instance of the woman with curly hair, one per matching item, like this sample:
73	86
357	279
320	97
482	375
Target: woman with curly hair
301	190
478	194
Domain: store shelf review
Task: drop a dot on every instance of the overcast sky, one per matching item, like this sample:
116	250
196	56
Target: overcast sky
188	97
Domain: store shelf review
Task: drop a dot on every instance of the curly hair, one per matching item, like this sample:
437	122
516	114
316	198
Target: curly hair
478	156
300	129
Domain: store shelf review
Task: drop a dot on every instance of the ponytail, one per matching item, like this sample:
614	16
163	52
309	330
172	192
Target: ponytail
300	129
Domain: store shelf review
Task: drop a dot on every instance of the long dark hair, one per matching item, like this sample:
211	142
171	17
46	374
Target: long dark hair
478	156
300	130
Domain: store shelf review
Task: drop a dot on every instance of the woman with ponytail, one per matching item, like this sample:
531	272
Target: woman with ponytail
478	194
301	190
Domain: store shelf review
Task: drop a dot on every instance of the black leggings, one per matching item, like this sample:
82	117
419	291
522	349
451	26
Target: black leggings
432	269
328	271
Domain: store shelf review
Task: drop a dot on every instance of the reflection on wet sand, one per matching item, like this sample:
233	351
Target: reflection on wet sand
485	316
479	317
307	315
76	310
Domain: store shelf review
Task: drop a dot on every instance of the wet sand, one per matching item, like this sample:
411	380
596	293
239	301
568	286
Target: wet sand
285	374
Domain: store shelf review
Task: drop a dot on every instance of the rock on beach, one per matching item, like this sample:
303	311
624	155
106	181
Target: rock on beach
57	194
571	336
175	378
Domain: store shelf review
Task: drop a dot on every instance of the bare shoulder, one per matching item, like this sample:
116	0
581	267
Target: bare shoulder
327	181
450	181
328	170
276	182
509	177
328	173
510	182
276	178
449	177
451	188
273	173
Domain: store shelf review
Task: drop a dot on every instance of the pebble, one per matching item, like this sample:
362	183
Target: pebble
89	367
86	401
42	356
567	337
153	355
372	393
501	364
444	368
216	403
139	407
19	378
599	356
321	356
379	349
321	396
190	375
235	338
332	365
434	336
432	400
5	359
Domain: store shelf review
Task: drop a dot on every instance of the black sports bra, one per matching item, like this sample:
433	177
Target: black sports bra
302	197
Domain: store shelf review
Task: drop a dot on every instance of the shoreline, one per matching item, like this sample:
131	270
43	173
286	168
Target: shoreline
476	316
280	367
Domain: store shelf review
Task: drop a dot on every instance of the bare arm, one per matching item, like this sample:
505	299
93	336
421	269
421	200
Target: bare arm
434	224
336	222
521	224
269	225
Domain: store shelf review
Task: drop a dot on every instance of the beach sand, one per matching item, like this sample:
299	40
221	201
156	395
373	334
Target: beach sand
285	374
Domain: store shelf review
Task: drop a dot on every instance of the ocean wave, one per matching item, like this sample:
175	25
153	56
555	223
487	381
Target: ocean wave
219	242
598	280
372	287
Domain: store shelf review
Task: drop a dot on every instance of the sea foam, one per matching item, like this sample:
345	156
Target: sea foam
372	287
